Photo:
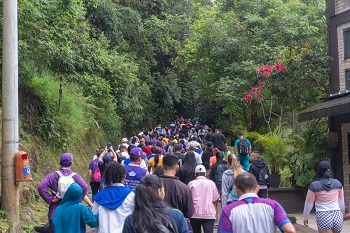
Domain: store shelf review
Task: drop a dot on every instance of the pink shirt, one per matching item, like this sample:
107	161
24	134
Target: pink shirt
204	193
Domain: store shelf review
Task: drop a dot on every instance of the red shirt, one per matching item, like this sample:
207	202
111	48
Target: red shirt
147	150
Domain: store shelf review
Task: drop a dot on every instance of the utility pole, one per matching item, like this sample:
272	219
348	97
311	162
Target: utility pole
9	188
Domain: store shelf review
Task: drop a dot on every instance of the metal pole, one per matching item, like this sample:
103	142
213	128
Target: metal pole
9	188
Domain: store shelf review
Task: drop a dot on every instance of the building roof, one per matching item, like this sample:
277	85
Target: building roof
327	108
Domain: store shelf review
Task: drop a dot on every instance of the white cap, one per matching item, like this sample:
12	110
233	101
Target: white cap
124	140
199	169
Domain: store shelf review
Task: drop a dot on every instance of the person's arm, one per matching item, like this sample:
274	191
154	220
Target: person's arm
43	189
225	189
188	210
115	156
225	224
341	201
236	148
88	217
90	174
288	228
87	200
309	203
347	217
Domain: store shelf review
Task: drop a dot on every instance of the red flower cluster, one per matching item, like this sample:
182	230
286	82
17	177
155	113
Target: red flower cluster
256	92
280	68
266	71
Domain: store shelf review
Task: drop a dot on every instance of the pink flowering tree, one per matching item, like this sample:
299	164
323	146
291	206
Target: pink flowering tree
257	92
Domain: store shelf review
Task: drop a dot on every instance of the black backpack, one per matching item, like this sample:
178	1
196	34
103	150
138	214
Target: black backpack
243	147
264	176
218	174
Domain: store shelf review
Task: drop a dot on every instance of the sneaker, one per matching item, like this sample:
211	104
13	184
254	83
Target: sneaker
42	229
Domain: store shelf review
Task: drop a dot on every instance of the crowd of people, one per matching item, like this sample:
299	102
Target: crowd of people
173	179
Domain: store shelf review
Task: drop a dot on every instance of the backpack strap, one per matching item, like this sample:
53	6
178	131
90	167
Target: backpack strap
166	210
70	175
173	226
59	173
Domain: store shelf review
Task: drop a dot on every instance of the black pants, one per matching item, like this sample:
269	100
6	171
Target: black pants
263	193
94	188
207	224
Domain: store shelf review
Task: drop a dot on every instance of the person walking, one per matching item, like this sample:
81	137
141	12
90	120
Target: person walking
328	195
177	194
115	201
261	172
208	152
94	184
186	172
151	215
243	148
251	214
204	195
228	193
134	172
219	141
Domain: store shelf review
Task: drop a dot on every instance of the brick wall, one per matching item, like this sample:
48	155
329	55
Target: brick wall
345	129
341	6
343	64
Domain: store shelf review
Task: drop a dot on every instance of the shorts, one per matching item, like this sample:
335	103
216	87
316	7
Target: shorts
329	220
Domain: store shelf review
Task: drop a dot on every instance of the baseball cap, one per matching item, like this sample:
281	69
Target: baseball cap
124	140
324	166
66	157
137	152
107	157
200	168
192	146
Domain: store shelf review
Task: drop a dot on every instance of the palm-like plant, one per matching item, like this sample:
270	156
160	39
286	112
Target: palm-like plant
275	147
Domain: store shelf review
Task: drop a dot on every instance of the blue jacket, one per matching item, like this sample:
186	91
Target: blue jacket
72	217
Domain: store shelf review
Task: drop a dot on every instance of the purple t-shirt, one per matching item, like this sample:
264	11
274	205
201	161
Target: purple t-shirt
93	166
252	214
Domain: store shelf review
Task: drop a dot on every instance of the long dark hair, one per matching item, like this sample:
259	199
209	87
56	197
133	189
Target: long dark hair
190	161
187	170
145	201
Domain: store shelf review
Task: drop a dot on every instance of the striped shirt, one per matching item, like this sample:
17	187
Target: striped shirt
251	214
324	200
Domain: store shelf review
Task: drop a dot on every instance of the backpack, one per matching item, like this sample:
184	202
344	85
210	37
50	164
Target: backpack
168	225
233	193
264	177
63	183
243	147
97	175
218	174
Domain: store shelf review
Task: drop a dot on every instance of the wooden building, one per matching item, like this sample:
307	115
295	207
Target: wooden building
337	106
